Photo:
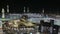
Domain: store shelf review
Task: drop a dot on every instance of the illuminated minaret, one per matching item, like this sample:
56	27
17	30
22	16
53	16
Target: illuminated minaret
28	9
7	8
3	13
43	11
24	9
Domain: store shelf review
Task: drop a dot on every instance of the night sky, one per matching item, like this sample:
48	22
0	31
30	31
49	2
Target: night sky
16	6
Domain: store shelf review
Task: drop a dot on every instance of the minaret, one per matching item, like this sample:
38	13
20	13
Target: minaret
7	8
27	9
43	11
24	9
3	13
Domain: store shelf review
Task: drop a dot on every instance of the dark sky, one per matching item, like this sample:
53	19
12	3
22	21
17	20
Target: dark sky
16	6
